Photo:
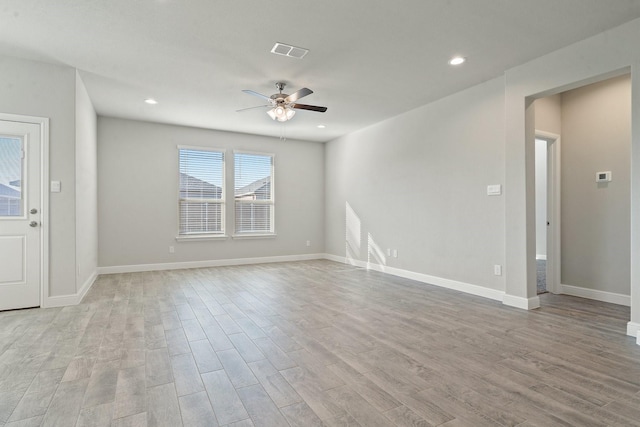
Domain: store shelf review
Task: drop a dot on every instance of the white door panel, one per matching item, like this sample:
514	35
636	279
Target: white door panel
12	249
20	215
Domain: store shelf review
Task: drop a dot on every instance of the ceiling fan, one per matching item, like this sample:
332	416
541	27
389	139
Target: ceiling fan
283	106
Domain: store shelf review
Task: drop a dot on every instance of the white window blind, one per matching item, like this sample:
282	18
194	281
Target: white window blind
253	190
201	204
11	172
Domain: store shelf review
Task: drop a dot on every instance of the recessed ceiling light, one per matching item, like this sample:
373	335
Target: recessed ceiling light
151	101
321	126
457	60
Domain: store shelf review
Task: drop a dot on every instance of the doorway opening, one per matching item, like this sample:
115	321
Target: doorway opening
547	196
542	220
595	124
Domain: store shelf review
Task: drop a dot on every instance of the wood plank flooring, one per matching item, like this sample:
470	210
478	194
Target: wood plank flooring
313	344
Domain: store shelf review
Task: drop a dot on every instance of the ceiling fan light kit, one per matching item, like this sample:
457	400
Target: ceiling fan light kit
283	106
281	114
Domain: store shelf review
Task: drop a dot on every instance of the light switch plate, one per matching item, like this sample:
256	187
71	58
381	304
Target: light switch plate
494	190
56	187
497	270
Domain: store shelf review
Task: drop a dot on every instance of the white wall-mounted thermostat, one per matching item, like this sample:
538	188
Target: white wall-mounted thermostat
603	176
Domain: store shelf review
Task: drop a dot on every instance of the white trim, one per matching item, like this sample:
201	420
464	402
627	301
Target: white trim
203	264
541	257
595	294
523	303
254	153
337	258
424	278
60	301
253	236
87	285
201	148
633	330
199	237
73	299
43	122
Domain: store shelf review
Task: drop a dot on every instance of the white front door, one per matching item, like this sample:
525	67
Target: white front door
20	215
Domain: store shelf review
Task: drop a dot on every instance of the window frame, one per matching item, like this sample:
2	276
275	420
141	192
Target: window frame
271	202
216	235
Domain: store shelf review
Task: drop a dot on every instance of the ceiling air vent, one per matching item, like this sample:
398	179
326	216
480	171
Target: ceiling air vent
288	50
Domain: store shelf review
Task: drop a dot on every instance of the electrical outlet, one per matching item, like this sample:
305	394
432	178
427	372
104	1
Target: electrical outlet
497	270
388	252
172	250
308	242
395	253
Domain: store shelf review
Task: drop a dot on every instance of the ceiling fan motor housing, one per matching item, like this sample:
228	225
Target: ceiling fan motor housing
279	97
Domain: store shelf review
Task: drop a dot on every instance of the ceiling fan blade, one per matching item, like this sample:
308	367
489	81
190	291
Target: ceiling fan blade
251	108
259	95
299	94
309	107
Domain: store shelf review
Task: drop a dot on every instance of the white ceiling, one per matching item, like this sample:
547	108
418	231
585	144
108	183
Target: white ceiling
369	59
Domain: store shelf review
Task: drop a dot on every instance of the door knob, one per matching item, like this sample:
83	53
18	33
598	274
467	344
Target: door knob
33	224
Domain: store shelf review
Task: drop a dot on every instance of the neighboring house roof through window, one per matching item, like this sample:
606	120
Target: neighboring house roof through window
191	186
257	190
7	192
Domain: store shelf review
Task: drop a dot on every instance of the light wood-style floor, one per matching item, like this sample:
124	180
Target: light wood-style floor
310	344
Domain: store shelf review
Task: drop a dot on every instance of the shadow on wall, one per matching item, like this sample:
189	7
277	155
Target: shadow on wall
353	242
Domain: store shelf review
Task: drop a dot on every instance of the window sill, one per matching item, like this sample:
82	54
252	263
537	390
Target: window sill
253	236
199	237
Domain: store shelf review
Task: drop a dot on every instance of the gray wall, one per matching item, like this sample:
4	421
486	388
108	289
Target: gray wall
45	90
138	194
596	136
417	183
86	187
549	114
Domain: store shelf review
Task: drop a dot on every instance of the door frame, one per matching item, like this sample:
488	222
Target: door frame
43	123
553	210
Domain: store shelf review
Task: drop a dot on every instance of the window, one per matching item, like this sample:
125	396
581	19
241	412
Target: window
11	166
253	190
201	205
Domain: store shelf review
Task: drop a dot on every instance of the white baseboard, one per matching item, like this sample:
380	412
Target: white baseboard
87	285
603	296
60	301
341	259
424	278
541	257
203	264
520	302
73	299
633	330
